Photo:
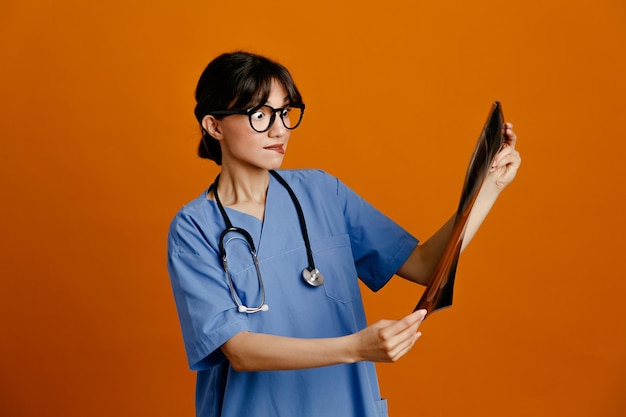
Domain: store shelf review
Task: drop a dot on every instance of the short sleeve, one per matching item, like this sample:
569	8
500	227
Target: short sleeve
379	245
205	308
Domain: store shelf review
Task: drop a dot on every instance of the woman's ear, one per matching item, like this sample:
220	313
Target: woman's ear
212	126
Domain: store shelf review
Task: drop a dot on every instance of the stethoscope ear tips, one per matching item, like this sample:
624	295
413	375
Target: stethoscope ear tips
242	309
265	307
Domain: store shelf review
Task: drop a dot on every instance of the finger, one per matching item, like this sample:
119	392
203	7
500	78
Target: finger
506	159
396	327
511	137
412	320
500	156
418	314
403	348
397	337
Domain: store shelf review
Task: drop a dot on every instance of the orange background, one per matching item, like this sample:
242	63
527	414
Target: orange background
98	153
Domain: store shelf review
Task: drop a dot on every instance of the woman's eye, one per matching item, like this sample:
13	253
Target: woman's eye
285	112
257	115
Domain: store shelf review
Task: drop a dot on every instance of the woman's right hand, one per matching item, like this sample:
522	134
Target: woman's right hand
388	340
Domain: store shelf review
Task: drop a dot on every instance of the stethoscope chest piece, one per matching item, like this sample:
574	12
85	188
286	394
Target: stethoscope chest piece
313	277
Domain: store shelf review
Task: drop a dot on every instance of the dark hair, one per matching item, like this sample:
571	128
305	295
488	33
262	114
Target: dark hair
237	80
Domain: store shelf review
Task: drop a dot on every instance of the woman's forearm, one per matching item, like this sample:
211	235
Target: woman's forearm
248	352
383	341
424	259
482	206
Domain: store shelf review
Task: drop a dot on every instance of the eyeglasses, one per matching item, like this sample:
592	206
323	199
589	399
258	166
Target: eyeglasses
262	117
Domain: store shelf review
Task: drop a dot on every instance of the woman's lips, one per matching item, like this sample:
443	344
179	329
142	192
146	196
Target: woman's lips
276	148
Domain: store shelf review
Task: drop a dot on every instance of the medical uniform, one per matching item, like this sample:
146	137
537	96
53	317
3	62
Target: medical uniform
349	239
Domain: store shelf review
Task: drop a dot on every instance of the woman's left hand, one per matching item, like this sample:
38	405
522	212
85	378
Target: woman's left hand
506	161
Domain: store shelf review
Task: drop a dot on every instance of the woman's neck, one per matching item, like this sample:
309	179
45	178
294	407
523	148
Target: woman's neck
244	191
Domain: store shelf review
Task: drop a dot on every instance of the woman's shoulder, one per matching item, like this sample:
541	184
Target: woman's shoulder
308	177
316	182
195	204
194	211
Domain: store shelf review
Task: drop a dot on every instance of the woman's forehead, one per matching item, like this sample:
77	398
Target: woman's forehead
273	89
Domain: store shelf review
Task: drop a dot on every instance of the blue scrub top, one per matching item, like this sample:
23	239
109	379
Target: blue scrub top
350	239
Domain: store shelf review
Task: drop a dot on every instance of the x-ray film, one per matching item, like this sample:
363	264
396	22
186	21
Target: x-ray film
438	293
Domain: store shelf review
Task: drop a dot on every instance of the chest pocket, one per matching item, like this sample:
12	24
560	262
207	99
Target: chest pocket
333	257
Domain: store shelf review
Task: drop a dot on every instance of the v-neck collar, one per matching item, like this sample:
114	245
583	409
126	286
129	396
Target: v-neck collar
252	224
279	225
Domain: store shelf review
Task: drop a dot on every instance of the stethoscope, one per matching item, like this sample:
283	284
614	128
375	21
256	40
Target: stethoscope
311	275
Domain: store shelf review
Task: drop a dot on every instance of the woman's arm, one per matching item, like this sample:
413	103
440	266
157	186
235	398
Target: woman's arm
422	262
384	341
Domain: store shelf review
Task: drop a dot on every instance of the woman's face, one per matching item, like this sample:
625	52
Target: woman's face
246	148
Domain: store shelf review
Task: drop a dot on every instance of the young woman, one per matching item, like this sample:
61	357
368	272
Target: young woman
265	264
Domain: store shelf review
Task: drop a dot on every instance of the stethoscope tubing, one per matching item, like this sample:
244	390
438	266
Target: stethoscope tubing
305	233
311	274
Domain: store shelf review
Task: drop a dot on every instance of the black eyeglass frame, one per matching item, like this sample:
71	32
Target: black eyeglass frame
249	112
